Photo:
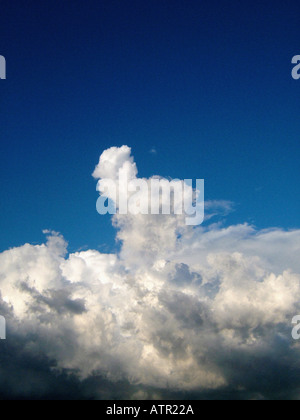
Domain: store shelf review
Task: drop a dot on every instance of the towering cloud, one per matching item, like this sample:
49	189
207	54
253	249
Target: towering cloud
180	311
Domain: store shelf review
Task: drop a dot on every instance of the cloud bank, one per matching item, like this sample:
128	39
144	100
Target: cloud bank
180	312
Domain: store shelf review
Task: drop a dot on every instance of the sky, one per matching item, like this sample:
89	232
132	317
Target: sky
195	90
206	84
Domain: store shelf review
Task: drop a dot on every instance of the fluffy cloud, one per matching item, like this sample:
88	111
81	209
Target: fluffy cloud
179	312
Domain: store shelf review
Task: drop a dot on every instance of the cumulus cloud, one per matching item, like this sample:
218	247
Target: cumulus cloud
180	312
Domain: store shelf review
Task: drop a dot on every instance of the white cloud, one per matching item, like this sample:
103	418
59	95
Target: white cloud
114	159
170	312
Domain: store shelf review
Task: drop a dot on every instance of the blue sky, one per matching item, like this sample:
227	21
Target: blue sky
170	312
207	84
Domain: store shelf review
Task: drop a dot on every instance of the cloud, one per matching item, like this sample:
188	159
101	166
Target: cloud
218	208
114	159
178	313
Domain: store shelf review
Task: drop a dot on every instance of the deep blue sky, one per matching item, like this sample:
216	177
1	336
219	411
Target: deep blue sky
207	83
